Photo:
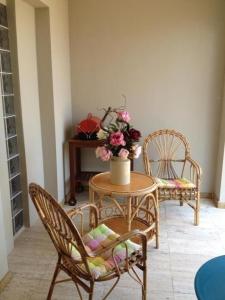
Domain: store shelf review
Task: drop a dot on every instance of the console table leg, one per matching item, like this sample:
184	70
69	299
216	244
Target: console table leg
72	201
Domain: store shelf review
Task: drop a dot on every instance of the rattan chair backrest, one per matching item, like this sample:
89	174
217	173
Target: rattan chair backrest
162	150
61	229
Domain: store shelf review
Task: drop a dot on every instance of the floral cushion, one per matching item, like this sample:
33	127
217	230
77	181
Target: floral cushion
99	238
175	183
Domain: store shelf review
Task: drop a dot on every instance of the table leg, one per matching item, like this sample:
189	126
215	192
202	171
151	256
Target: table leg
135	204
129	202
92	201
157	218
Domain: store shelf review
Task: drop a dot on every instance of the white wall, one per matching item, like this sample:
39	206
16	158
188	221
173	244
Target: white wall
59	76
60	51
220	174
46	100
166	56
28	78
28	90
60	55
60	107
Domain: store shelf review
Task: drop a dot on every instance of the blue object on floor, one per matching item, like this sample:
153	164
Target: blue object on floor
210	280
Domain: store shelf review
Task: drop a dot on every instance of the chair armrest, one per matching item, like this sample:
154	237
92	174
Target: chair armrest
197	169
78	211
195	165
124	238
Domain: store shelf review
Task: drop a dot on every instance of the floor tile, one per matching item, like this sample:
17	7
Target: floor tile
171	268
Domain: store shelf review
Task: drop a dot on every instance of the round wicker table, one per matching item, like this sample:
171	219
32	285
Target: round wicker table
127	207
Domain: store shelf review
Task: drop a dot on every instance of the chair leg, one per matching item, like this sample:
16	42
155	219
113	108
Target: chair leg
92	291
157	220
182	200
197	208
144	288
57	269
157	231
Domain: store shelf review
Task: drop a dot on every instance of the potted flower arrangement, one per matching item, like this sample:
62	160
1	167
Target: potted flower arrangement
121	144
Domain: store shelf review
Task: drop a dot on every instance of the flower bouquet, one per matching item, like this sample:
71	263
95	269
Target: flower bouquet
121	139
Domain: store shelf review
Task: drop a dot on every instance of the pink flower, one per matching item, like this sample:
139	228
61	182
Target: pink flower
103	153
136	151
117	139
123	153
123	116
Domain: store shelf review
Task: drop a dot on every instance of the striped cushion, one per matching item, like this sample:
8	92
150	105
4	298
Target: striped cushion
175	183
99	238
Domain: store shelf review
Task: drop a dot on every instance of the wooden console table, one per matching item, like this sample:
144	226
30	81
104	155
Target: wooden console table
77	176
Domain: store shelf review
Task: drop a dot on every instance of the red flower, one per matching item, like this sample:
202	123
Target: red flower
134	134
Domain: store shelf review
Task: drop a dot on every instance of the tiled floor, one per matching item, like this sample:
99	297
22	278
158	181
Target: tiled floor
183	248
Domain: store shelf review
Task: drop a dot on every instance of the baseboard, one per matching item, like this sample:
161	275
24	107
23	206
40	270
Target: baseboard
206	195
5	280
215	200
218	204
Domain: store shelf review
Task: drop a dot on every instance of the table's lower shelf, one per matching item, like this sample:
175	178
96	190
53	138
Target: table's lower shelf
119	225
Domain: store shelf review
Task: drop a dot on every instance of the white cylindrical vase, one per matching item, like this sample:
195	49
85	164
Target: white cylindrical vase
120	171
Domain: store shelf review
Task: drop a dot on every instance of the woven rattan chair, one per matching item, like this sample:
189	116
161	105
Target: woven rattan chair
98	255
166	156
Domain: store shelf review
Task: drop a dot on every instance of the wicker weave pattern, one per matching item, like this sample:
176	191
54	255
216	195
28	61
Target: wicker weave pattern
166	155
67	239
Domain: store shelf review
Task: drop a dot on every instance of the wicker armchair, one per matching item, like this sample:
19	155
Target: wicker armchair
166	156
99	255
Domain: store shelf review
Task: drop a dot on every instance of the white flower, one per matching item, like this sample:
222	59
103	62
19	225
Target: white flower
136	151
123	153
102	135
103	153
